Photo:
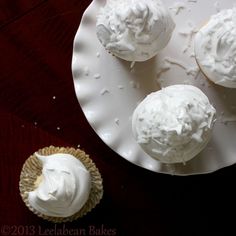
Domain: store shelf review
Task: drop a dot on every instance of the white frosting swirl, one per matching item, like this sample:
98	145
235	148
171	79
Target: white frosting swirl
215	48
134	30
174	124
65	186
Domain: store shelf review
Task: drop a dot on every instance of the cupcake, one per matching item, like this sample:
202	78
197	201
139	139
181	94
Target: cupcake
134	30
215	48
60	184
174	124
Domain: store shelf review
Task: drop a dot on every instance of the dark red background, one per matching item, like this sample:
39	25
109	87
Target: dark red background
36	38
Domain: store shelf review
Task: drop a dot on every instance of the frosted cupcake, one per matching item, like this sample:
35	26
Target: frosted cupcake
134	30
174	124
60	184
215	48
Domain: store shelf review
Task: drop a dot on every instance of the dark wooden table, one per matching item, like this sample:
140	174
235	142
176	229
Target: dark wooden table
38	107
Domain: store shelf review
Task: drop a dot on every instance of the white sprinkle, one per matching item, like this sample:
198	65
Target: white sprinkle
104	91
97	76
177	7
120	86
86	71
22	126
98	55
35	123
78	146
58	128
117	121
54	97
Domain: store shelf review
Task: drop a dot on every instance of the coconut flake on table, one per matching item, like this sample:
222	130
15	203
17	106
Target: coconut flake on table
97	76
189	70
189	34
132	64
117	121
120	87
164	68
193	70
104	91
177	7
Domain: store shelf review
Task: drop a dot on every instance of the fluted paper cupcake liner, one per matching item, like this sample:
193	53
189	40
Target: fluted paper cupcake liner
32	169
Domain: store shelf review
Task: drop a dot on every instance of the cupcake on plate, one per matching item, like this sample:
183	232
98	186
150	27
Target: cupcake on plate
174	124
134	30
215	48
60	184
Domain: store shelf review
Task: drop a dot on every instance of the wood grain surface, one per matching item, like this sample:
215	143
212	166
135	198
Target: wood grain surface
38	107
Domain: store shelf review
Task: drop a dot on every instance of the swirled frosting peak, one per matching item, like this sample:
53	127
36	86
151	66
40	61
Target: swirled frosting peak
64	188
174	124
134	30
215	48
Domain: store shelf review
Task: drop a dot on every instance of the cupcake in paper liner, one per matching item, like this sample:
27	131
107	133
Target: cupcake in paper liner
60	184
134	30
215	48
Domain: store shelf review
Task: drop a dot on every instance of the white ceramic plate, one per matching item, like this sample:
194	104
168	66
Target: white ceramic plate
108	90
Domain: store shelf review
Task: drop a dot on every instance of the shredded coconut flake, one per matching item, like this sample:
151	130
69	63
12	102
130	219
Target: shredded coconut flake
177	7
104	91
117	121
120	86
97	76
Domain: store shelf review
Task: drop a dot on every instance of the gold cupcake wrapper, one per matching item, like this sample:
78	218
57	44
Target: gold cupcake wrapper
32	169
